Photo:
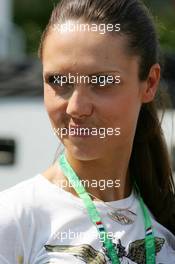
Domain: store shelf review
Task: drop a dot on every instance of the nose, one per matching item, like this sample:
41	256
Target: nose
79	104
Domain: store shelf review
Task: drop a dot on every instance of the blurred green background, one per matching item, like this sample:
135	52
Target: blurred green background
33	15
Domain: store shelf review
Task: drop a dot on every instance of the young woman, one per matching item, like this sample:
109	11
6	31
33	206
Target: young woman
109	197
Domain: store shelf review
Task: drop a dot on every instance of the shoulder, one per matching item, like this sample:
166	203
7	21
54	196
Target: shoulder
22	200
16	218
17	201
19	193
28	198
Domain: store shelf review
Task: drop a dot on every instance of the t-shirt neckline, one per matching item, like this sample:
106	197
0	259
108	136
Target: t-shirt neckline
126	202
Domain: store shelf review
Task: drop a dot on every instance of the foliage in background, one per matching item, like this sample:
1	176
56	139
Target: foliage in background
32	16
164	15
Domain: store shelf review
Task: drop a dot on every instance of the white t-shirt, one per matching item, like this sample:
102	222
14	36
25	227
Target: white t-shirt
41	223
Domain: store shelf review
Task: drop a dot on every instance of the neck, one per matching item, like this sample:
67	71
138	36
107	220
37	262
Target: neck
107	179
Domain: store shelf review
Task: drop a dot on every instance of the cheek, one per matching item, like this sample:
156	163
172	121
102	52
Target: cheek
122	111
129	116
54	106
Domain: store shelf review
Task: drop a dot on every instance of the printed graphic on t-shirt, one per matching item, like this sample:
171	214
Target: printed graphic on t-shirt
86	253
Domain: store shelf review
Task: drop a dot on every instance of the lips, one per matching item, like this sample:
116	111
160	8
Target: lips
78	127
80	130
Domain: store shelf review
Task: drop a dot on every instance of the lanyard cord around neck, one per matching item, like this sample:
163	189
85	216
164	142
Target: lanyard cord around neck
96	219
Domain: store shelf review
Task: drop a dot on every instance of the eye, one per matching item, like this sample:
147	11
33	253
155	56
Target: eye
52	79
58	82
104	80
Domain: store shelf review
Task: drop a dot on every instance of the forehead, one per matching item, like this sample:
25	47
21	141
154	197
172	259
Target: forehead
86	51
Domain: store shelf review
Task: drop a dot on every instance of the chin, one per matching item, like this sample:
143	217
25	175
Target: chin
82	154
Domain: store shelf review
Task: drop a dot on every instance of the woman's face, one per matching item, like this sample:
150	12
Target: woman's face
91	105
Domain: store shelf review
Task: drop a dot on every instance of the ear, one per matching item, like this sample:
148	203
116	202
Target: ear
151	84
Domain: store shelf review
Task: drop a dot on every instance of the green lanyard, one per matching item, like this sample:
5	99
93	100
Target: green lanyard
109	246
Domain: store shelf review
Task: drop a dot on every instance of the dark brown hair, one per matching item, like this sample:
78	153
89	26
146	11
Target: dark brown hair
149	162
